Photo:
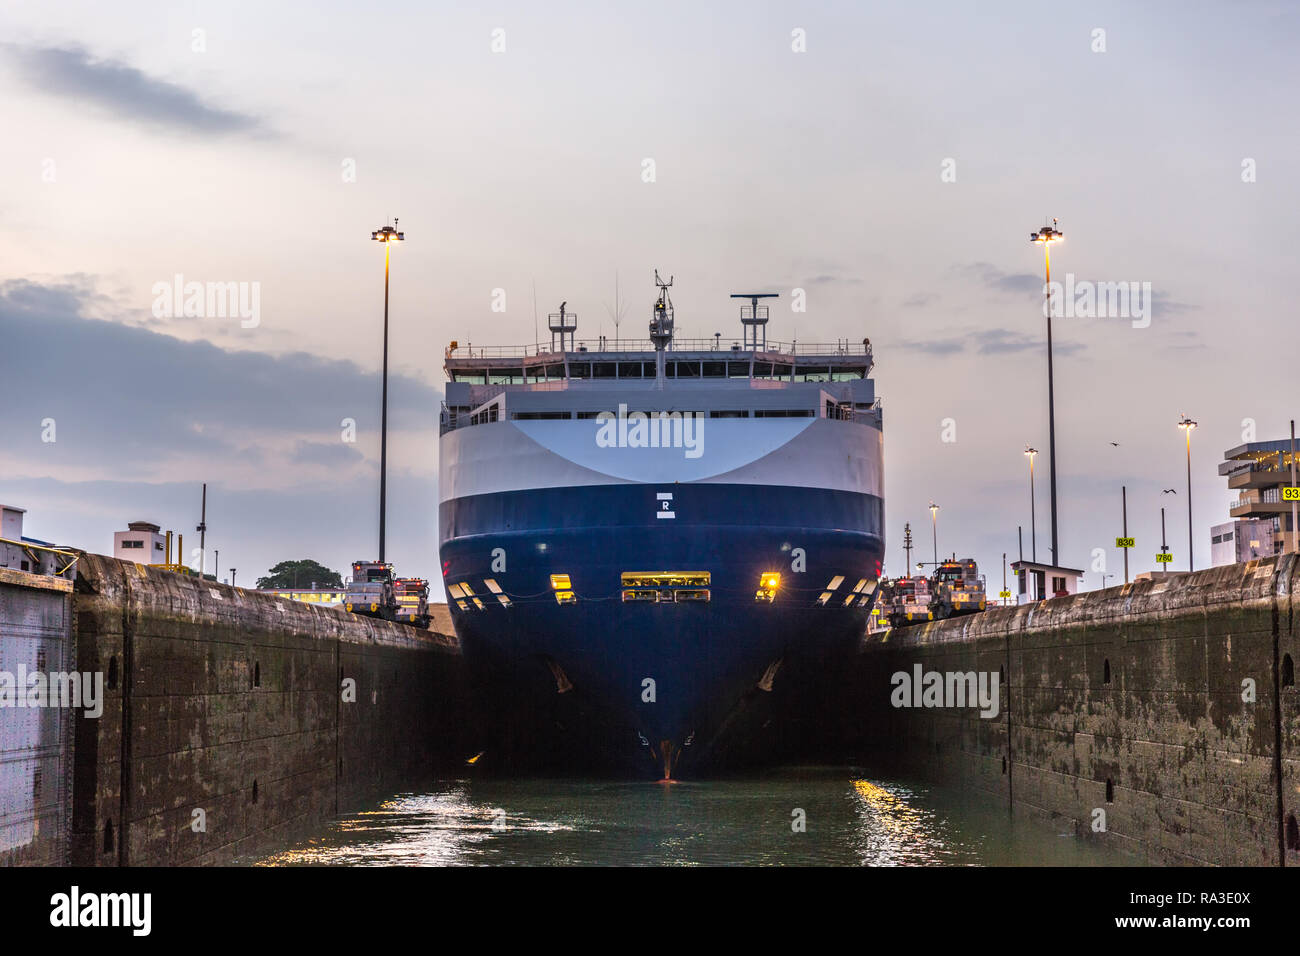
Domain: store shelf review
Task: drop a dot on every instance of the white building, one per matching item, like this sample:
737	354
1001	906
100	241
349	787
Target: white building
11	522
1243	540
1038	582
11	529
140	543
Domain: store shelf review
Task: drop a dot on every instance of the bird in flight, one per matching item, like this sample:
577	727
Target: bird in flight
1114	444
1170	491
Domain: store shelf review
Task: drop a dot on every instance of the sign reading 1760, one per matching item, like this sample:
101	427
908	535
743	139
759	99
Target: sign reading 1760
1291	494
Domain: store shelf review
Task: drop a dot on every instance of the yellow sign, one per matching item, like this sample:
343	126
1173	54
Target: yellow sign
1124	543
1165	557
1291	494
1004	594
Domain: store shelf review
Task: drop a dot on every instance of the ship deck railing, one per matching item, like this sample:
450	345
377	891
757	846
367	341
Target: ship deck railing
607	346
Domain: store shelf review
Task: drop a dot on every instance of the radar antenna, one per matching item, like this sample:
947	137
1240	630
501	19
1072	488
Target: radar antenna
754	318
661	326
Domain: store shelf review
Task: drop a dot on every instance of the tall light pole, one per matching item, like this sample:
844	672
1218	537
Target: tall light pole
1033	520
1295	528
1048	235
202	529
934	528
388	235
1186	424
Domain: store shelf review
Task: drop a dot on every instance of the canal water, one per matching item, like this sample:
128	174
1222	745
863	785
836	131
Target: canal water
795	816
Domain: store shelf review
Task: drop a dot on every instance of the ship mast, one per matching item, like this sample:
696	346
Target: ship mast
661	327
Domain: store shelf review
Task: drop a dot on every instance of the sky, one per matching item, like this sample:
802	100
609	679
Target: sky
890	161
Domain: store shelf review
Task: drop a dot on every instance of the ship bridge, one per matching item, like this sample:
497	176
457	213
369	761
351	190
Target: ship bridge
489	384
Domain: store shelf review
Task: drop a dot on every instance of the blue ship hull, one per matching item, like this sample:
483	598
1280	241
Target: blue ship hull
661	687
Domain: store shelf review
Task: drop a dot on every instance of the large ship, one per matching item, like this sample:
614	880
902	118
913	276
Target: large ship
641	541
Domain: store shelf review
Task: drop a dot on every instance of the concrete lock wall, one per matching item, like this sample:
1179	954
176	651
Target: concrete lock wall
231	703
1128	701
35	743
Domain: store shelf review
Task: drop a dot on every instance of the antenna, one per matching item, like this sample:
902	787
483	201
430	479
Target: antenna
536	334
754	317
618	311
661	326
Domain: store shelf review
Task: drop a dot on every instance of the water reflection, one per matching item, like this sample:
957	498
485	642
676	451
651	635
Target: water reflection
848	819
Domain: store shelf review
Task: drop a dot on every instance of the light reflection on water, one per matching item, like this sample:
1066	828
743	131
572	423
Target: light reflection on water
850	820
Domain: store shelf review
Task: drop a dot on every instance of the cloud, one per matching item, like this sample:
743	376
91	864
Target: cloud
919	300
1002	341
932	346
124	91
828	279
1020	283
127	400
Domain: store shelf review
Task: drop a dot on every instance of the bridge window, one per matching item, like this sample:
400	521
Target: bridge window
685	369
848	374
506	376
632	370
737	370
716	413
715	369
603	369
812	373
579	370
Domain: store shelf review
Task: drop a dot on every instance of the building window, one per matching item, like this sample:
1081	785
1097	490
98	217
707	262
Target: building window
132	544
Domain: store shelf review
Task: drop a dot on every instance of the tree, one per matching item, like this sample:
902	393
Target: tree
300	574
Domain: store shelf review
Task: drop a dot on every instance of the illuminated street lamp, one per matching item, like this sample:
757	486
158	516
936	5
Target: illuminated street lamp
1186	424
1033	520
388	235
1048	235
934	528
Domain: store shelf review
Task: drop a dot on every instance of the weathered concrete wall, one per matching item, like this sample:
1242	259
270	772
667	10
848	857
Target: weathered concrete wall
235	703
35	742
1137	687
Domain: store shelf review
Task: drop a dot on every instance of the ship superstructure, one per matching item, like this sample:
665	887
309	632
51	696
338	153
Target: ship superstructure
662	528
